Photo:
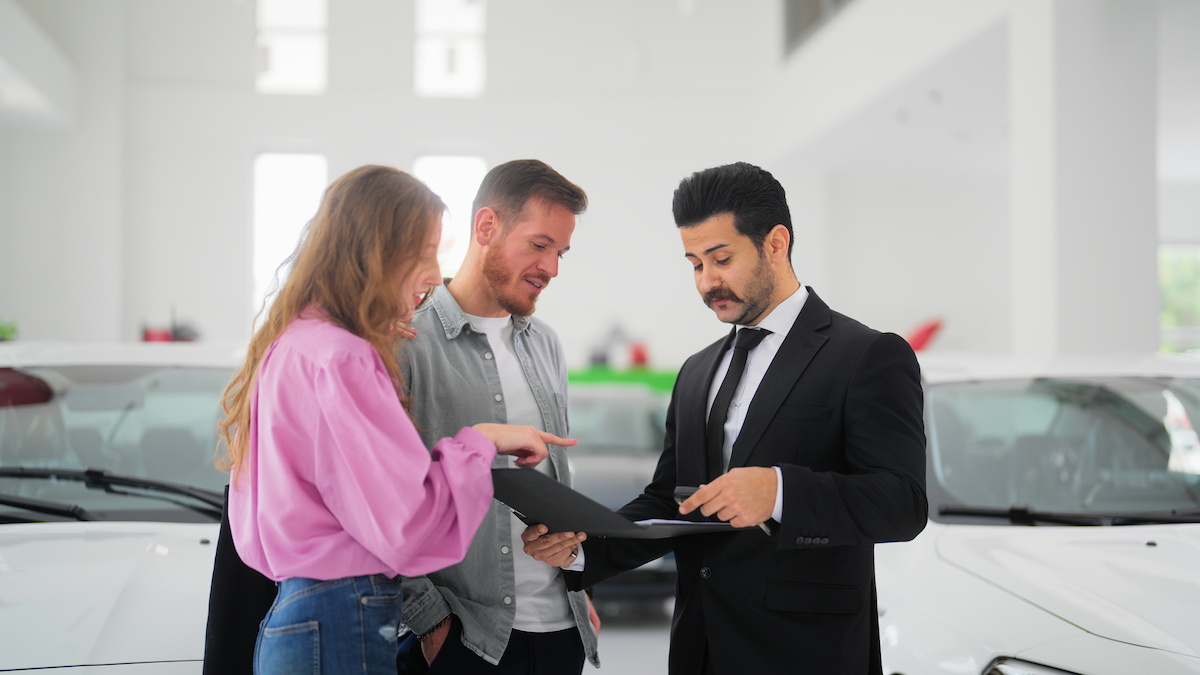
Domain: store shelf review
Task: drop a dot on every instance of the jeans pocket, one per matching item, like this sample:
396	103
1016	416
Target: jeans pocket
287	650
379	590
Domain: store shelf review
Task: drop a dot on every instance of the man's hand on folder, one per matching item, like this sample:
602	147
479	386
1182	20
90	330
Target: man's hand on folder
745	496
527	444
557	550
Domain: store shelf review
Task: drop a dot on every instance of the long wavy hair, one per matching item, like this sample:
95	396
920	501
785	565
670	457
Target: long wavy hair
372	226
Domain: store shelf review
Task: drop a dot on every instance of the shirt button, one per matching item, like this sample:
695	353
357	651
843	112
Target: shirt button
507	600
487	355
705	573
504	549
499	397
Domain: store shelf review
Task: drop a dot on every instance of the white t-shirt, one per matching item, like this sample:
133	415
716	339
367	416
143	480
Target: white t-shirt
541	593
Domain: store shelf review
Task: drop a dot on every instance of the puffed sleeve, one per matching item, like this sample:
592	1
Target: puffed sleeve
416	510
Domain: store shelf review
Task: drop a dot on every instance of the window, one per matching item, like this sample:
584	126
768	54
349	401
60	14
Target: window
1178	279
287	192
455	180
449	60
293	47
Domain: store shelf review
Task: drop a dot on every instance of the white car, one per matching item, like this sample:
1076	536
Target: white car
109	504
1064	531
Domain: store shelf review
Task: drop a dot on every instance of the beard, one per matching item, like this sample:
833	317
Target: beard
499	276
757	294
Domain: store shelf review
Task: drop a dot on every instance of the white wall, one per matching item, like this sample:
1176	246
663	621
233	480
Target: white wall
63	188
912	249
144	205
170	123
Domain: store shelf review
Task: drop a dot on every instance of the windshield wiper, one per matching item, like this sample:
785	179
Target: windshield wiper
62	509
102	479
1021	515
1158	517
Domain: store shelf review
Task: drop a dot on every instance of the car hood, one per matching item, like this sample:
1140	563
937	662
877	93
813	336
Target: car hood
1134	584
93	593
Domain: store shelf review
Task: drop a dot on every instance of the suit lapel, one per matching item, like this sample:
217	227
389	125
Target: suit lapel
797	351
693	414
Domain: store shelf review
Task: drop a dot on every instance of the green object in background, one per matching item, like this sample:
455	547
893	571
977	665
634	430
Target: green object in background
8	330
661	381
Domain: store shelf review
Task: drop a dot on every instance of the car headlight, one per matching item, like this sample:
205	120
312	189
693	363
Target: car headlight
1004	666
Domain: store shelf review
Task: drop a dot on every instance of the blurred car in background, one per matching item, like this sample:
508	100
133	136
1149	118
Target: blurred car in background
109	504
1064	531
620	429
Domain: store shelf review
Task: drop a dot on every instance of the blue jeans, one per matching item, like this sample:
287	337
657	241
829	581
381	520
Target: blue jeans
331	627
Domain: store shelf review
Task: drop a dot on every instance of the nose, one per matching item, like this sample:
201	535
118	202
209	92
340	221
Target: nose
433	275
549	263
707	279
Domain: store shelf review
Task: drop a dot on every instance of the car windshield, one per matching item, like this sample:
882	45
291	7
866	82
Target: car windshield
1111	445
608	422
136	422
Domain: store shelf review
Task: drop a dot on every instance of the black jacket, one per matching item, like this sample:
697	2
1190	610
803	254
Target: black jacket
840	412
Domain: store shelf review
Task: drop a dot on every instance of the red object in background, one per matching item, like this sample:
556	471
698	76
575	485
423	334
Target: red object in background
923	334
639	356
156	335
17	388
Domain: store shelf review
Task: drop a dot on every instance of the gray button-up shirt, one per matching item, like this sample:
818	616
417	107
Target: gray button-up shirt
451	376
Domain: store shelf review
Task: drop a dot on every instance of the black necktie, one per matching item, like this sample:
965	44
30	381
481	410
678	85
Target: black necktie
747	339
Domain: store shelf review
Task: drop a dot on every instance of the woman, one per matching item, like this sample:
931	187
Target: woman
332	493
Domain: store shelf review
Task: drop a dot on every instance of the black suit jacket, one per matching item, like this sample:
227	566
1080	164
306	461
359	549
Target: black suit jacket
840	412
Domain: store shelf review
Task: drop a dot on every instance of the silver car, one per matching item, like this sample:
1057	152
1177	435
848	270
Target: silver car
620	429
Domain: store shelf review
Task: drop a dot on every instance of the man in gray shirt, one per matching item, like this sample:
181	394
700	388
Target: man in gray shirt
479	356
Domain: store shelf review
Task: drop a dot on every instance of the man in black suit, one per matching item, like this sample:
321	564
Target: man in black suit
818	440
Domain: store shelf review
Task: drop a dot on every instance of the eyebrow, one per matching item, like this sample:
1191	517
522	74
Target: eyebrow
550	241
710	250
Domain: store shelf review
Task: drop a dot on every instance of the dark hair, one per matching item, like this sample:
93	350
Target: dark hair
508	187
751	194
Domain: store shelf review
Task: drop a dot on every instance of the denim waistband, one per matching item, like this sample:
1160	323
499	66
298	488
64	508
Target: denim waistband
365	585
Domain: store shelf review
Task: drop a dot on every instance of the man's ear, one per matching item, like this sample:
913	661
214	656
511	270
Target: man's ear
487	226
777	242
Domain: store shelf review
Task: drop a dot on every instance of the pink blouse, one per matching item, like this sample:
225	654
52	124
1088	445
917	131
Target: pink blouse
337	482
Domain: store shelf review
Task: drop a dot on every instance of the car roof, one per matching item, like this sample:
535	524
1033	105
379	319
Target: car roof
25	354
939	368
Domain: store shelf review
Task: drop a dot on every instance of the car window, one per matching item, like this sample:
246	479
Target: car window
1098	445
612	423
156	423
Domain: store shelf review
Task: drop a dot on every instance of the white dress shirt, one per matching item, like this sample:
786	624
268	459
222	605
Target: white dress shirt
779	322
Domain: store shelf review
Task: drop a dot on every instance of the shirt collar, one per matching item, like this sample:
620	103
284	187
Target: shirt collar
780	320
453	318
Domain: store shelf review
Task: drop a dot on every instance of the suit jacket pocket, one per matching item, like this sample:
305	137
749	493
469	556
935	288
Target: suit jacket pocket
808	413
785	596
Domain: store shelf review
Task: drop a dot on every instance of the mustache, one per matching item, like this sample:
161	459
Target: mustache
721	293
542	277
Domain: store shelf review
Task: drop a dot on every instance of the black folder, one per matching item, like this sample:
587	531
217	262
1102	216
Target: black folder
539	499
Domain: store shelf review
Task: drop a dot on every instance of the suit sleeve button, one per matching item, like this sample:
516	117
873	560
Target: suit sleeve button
799	541
705	573
824	540
807	541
